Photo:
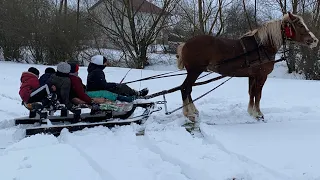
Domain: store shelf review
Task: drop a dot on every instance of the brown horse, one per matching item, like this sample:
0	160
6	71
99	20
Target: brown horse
252	55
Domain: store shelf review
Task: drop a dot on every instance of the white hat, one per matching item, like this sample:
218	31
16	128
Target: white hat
98	60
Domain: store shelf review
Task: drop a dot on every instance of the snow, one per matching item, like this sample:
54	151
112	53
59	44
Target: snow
233	144
291	147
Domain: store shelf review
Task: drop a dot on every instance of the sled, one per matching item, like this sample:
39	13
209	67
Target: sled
45	121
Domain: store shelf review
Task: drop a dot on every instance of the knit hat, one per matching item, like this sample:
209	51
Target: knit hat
34	71
74	67
64	67
98	60
50	70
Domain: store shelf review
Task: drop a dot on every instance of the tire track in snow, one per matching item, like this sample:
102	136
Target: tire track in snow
212	140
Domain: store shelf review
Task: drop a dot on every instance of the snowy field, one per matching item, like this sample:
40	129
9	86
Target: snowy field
233	144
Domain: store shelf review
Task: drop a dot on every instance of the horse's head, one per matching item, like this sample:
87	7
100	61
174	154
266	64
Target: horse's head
297	31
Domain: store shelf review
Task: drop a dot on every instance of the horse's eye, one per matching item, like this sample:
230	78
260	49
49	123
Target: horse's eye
300	24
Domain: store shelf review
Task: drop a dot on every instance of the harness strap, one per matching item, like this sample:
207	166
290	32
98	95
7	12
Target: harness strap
284	42
245	52
255	38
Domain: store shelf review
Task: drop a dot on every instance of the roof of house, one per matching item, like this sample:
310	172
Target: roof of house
138	5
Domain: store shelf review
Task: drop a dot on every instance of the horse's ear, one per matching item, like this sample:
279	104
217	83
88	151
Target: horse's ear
291	16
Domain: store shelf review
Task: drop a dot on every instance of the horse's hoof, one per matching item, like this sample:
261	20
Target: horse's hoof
250	111
185	112
260	118
192	118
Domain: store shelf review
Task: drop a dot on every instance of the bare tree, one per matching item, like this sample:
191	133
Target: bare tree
206	16
239	20
132	25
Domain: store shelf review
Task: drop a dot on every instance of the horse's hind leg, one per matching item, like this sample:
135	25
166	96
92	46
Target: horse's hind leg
251	95
186	90
193	107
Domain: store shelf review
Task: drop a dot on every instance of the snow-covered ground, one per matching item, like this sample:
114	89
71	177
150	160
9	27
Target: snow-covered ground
233	144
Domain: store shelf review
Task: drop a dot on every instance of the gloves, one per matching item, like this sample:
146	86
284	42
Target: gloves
111	85
95	106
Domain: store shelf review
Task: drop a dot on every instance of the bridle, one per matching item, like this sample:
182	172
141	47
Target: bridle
288	31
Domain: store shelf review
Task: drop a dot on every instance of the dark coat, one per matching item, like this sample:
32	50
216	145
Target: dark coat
78	89
29	83
62	83
44	78
96	79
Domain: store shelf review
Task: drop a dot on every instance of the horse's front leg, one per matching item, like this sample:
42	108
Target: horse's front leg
251	96
260	81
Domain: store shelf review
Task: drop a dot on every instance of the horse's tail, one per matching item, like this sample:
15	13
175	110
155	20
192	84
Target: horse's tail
179	56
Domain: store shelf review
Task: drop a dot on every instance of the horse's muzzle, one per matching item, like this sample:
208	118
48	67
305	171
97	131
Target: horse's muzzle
312	42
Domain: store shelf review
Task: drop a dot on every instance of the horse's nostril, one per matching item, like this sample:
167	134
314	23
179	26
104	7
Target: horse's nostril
311	40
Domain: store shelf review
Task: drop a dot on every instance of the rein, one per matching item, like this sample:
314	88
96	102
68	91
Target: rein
164	75
157	76
125	76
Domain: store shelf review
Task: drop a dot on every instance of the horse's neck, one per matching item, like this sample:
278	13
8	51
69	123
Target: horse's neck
271	48
270	35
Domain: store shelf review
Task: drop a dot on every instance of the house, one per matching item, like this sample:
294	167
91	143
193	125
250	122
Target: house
112	14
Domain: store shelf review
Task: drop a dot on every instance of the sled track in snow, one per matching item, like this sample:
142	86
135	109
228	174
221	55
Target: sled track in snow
186	170
193	173
9	97
104	175
8	122
10	113
210	139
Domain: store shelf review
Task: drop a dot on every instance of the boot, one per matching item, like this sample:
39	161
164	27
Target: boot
143	92
33	106
125	98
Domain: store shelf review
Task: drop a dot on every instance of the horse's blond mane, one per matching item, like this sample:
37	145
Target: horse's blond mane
270	32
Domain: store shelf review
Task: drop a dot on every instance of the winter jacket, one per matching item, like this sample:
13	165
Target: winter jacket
29	83
78	89
62	83
44	78
96	79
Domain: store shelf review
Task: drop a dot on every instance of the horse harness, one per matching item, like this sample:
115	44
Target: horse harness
247	61
287	32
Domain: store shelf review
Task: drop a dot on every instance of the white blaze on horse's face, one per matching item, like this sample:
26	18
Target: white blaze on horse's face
310	40
302	34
